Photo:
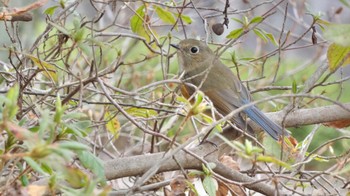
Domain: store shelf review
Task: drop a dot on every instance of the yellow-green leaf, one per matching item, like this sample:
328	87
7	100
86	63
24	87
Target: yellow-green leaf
113	124
165	15
59	28
49	69
141	112
186	19
272	39
261	33
235	33
51	10
137	23
338	55
256	19
182	99
270	159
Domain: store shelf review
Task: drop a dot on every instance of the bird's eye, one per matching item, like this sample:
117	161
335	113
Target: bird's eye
194	50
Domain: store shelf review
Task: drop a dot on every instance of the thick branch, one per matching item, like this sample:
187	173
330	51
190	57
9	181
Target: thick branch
137	165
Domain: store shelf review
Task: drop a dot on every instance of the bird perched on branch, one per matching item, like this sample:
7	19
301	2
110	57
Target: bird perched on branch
203	69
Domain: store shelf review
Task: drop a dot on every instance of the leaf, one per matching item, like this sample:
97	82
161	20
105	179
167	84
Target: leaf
59	28
165	16
182	99
34	165
261	33
79	35
272	39
113	124
186	19
270	159
237	20
51	10
80	128
245	21
248	147
235	33
210	185
141	112
322	23
76	177
338	33
337	56
74	146
59	110
256	19
90	161
210	120
49	69
137	23
11	107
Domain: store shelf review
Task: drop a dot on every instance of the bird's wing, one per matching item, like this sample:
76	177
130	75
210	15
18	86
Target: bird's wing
225	103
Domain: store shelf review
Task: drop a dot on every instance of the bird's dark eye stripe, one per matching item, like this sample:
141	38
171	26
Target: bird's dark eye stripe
194	50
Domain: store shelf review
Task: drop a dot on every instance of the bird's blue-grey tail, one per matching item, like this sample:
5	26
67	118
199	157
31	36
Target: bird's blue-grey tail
273	129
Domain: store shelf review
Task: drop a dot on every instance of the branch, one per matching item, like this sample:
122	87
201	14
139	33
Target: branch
138	165
21	14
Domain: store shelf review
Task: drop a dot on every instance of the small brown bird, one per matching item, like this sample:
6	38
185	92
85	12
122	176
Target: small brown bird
204	69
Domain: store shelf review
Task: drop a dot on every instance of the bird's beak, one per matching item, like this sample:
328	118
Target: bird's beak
175	46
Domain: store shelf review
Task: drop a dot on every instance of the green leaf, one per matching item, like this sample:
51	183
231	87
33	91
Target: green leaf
199	99
235	33
261	33
11	108
59	28
272	39
245	21
182	99
137	23
248	147
256	19
205	170
90	161
338	33
210	120
79	35
237	20
338	55
72	145
59	110
186	19
141	112
165	15
270	159
51	10
34	165
210	185
80	128
76	178
24	180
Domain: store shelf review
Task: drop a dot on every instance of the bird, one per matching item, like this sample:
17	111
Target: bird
203	68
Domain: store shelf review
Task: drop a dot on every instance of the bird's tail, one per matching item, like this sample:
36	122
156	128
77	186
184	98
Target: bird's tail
273	129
